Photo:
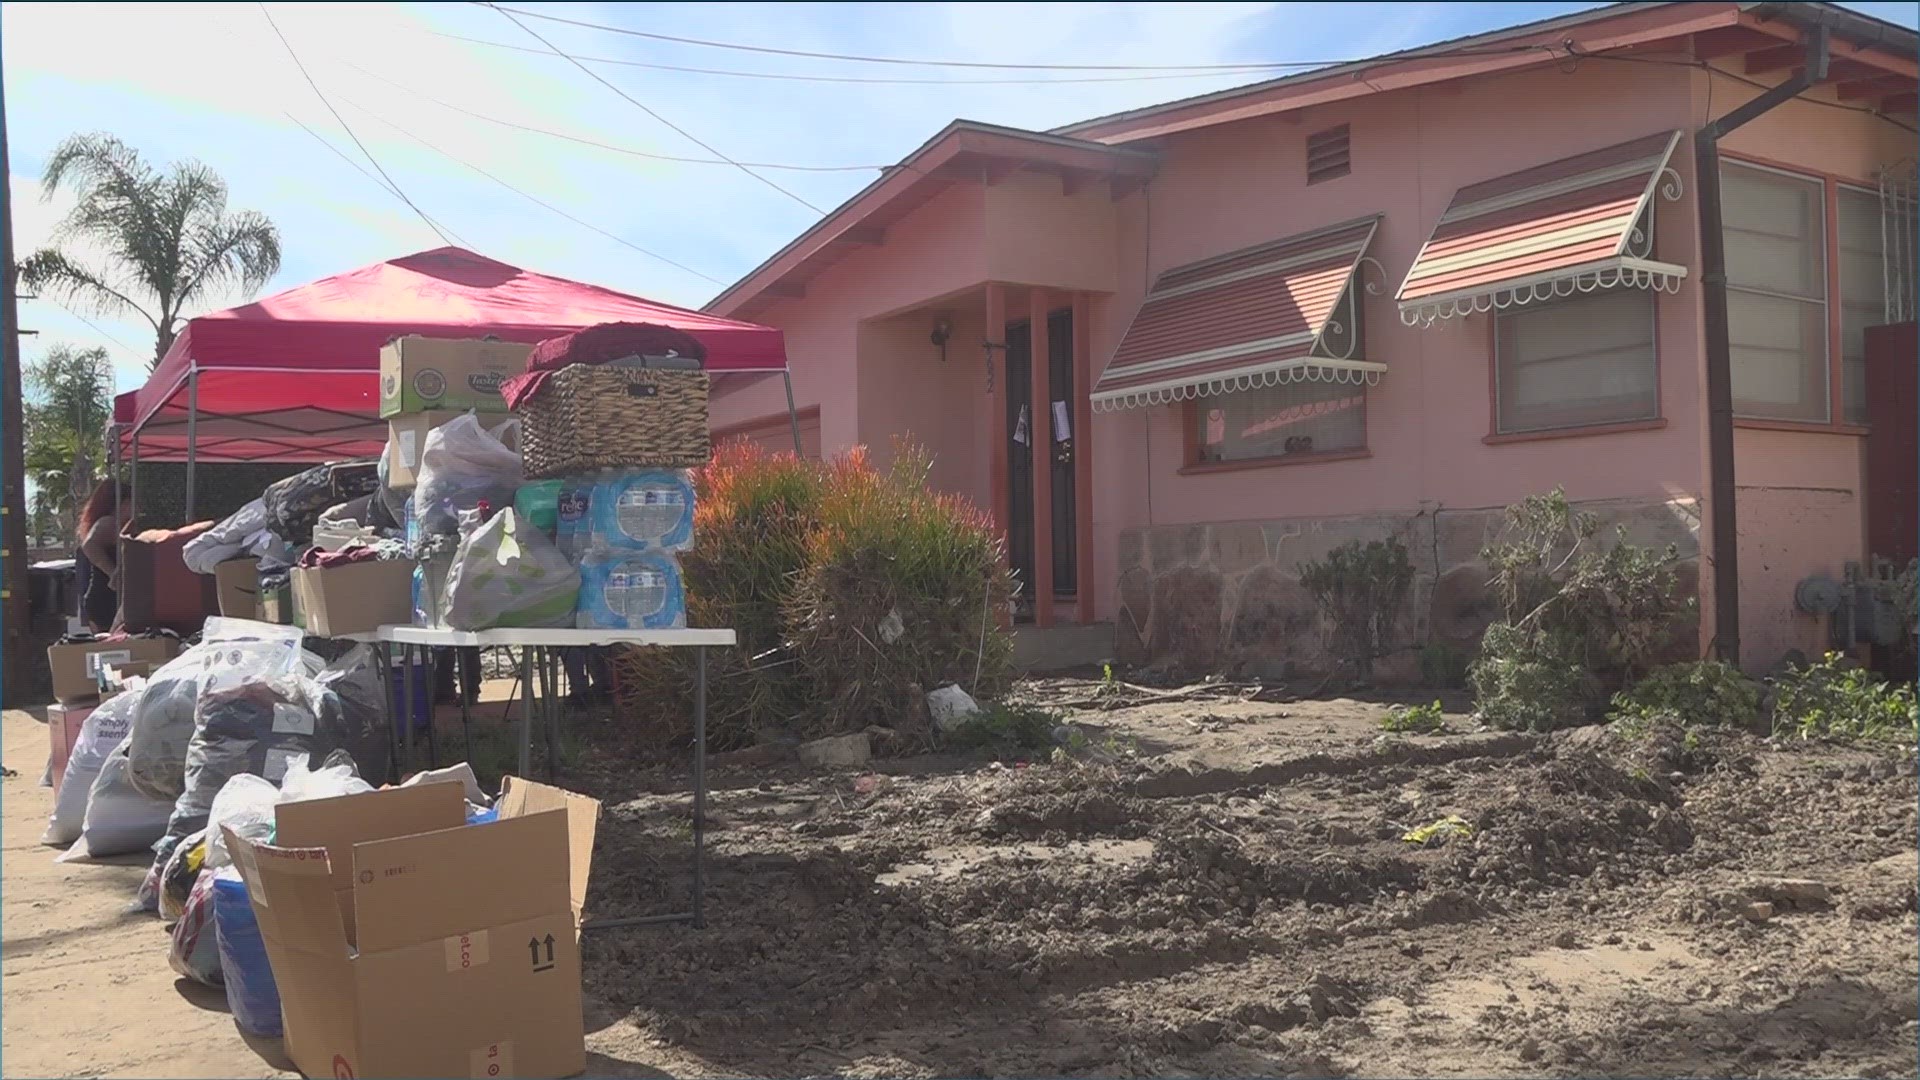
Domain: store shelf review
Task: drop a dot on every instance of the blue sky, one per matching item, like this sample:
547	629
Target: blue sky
213	82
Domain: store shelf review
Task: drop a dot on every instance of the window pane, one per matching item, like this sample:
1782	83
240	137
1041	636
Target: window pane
1779	352
1862	293
1577	362
1774	227
1274	421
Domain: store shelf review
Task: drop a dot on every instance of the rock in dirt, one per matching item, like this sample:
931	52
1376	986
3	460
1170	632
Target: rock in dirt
1799	892
1758	912
764	754
837	751
1566	940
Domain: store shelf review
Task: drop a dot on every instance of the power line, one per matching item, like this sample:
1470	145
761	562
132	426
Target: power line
1250	66
536	200
362	169
97	328
1707	67
688	135
394	187
584	141
877	81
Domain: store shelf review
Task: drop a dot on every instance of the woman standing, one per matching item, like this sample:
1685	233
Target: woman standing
97	566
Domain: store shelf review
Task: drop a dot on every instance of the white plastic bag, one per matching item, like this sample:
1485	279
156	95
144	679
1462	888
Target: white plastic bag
245	805
951	707
507	573
335	777
461	774
464	463
103	729
119	819
227	540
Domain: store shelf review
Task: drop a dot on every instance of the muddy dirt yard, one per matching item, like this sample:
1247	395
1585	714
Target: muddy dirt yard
1202	885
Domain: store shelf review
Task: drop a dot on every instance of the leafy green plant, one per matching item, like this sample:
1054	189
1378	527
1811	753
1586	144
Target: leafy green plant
1707	693
1008	727
1578	617
1414	720
1440	831
1362	591
1837	699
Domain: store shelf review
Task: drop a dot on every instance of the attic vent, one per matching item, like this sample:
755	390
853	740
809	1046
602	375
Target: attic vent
1327	155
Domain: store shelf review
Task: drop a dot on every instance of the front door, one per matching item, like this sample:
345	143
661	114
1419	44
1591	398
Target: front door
1025	423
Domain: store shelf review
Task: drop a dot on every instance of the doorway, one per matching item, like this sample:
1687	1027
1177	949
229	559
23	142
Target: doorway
1052	422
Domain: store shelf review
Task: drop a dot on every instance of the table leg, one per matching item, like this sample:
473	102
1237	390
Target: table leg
526	709
554	706
406	709
466	705
432	673
383	651
699	787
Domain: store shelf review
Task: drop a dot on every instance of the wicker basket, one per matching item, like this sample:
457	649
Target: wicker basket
586	417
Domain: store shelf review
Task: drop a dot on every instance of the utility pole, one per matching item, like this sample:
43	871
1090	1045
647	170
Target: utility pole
15	655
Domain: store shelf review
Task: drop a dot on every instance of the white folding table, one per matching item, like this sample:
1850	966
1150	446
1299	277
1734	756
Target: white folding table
539	665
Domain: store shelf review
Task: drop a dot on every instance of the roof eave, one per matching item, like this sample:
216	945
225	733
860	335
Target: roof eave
957	138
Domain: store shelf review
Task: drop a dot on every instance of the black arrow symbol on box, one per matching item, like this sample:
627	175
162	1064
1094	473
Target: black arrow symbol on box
533	947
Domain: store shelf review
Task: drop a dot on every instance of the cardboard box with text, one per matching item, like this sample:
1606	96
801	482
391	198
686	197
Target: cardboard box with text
406	943
76	676
421	373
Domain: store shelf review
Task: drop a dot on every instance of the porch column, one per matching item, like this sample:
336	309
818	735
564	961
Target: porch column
1082	444
995	347
1040	446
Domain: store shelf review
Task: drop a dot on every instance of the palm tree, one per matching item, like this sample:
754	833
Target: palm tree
167	239
69	393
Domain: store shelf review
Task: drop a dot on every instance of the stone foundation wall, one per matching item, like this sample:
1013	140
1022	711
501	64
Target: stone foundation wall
1215	597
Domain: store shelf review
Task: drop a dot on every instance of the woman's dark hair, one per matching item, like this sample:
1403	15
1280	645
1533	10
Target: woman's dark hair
101	503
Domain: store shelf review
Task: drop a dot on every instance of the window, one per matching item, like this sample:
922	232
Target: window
1327	155
1576	363
1775	231
1863	294
1291	419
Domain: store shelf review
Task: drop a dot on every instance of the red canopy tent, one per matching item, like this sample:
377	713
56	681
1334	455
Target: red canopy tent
295	376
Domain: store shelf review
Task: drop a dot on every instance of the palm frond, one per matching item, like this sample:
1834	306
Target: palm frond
240	251
51	272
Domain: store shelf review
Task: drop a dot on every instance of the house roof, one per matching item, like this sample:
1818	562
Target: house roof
964	149
1872	61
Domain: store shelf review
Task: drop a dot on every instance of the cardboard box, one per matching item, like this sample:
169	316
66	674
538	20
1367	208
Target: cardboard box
114	677
76	672
406	943
237	581
357	598
406	440
421	373
63	730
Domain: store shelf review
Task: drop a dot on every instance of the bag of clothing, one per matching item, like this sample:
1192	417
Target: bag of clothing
228	540
103	729
196	943
252	996
120	820
230	651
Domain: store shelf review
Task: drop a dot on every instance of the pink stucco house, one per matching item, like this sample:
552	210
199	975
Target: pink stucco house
1179	350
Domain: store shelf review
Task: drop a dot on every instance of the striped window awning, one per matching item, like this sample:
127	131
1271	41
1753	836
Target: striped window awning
1570	226
1278	312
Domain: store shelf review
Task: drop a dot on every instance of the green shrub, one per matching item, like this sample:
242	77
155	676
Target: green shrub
815	565
1529	679
1362	590
1578	619
1702	693
1837	699
1004	727
899	593
1414	720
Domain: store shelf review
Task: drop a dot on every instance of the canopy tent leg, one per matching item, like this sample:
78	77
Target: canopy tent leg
193	415
133	484
793	417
